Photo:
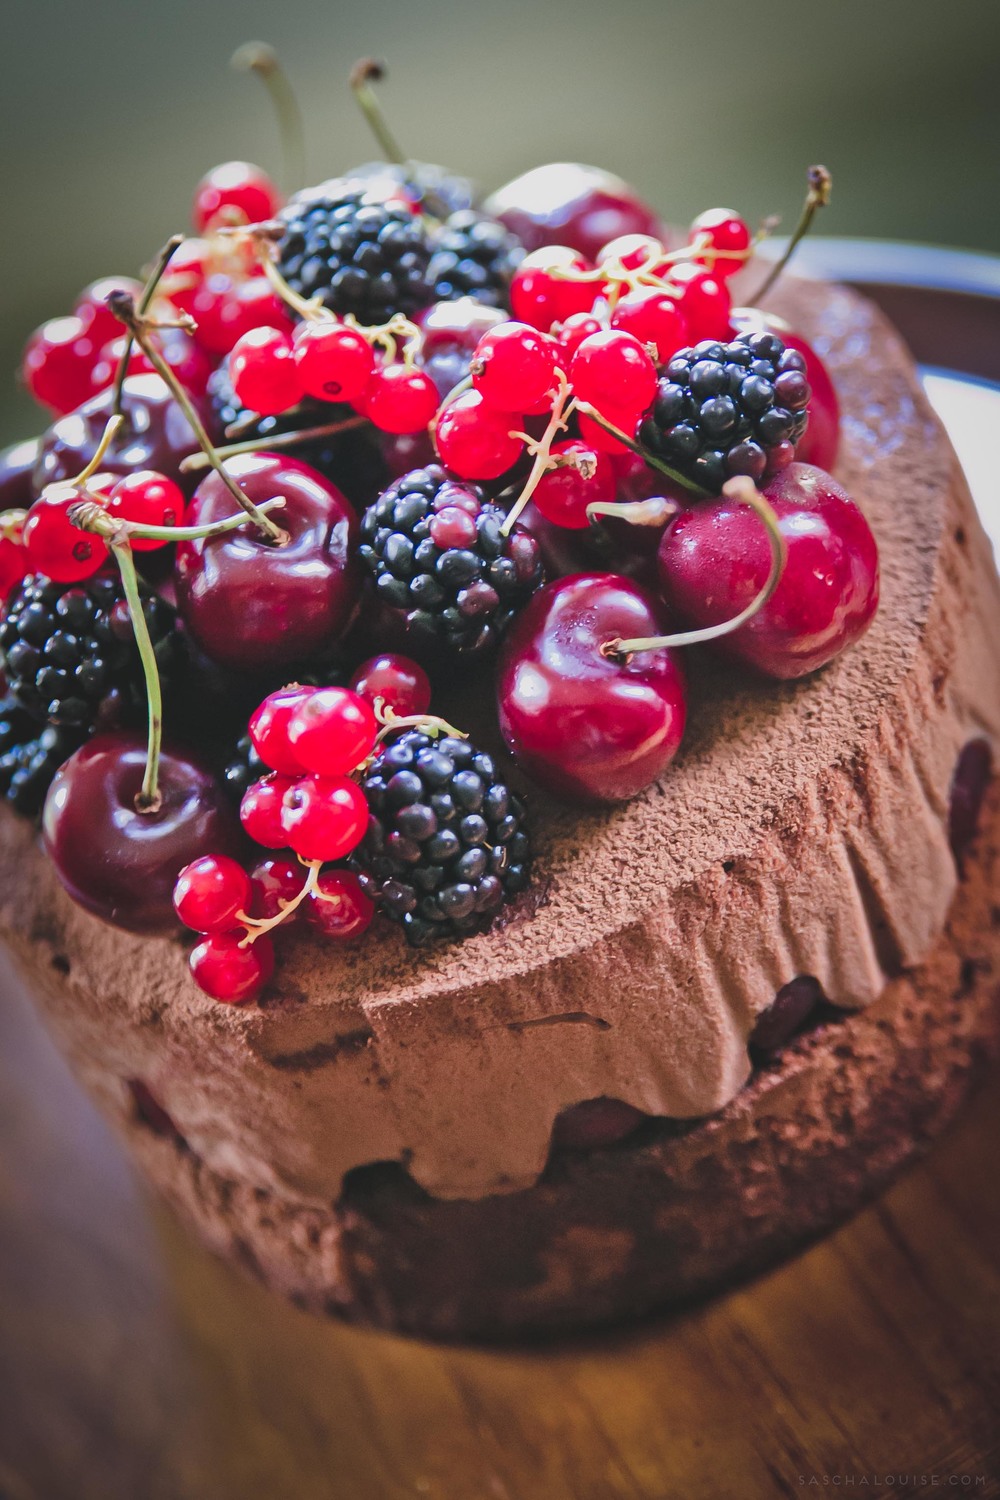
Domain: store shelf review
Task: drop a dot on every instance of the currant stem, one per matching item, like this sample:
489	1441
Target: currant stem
148	292
651	459
197	461
89	515
430	723
310	311
562	406
124	309
114	425
817	197
745	492
366	72
148	799
259	58
257	926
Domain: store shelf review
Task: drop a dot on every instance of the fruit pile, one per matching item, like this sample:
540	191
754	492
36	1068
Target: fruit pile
376	417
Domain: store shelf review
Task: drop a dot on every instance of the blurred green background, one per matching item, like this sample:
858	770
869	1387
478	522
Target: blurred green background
111	111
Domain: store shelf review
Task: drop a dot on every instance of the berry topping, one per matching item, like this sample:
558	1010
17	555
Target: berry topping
571	204
269	725
474	256
150	499
234	193
332	730
582	477
227	968
54	545
340	908
264	371
447	841
474	441
613	370
513	368
399	399
324	817
261	808
335	363
438	554
211	892
57	363
725	233
30	755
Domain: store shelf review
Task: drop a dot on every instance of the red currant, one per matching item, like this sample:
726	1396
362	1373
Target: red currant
399	399
226	971
332	731
474	442
211	893
513	367
652	317
540	296
92	309
724	230
275	880
189	265
595	436
324	817
571	334
335	363
269	729
225	310
148	498
54	545
341	909
563	493
235	192
260	810
632	251
613	369
264	373
401	684
705	302
189	363
14	565
57	362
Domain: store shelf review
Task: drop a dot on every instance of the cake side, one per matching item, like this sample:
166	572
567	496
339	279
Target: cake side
804	833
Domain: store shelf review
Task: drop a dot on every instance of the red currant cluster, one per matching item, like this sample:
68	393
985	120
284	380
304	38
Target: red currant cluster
54	545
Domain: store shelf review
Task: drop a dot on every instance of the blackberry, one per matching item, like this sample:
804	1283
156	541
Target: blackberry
243	769
447	842
725	409
359	255
437	554
474	256
434	188
30	755
69	654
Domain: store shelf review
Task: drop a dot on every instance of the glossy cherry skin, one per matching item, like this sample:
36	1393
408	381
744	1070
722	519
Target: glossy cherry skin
821	441
715	557
584	726
120	864
17	466
567	203
157	435
251	605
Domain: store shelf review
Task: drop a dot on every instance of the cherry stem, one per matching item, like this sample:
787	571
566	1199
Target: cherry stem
366	72
148	292
257	926
651	459
541	449
148	799
310	311
656	511
197	461
259	58
123	307
90	515
114	425
817	197
744	492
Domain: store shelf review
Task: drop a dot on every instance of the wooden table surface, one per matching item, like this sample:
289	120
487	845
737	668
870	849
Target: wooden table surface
132	1364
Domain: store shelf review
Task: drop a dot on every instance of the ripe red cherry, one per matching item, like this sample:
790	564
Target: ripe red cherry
705	302
563	494
211	892
342	909
652	317
724	230
225	970
156	435
264	373
116	862
251	605
332	730
715	557
324	817
455	325
58	359
822	436
335	363
274	880
400	683
581	724
545	290
17	465
612	369
92	309
570	204
399	399
268	729
235	192
189	363
474	442
513	367
260	810
150	499
54	545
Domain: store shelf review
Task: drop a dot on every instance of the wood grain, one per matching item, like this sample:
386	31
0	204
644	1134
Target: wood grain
134	1365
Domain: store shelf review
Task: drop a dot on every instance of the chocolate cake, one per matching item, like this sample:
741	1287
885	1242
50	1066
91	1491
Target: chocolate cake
411	1137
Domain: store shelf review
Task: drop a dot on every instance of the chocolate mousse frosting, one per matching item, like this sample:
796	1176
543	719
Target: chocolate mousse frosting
801	831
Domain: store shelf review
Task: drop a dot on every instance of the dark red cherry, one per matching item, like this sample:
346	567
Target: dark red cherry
584	725
251	605
121	864
785	1017
567	203
156	435
613	546
715	557
595	1123
822	437
17	466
